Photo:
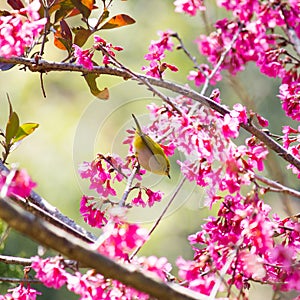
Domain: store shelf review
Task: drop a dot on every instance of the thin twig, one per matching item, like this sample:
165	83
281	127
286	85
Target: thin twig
182	47
42	85
19	280
128	186
215	70
277	186
222	274
12	260
161	215
4	235
220	61
110	226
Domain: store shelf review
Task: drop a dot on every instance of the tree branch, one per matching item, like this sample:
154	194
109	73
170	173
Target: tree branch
40	207
74	248
279	187
44	66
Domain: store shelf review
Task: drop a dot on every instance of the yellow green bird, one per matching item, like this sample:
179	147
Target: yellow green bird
149	154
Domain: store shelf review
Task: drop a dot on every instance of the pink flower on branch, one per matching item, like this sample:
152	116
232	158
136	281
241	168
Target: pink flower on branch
50	271
21	293
19	29
190	7
106	48
156	55
84	57
289	95
124	238
92	214
16	183
201	75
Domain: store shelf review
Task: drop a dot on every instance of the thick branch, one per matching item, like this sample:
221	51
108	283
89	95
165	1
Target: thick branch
40	207
57	239
44	66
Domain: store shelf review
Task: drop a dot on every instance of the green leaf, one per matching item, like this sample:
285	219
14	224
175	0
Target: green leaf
25	130
12	127
91	81
118	21
10	105
81	35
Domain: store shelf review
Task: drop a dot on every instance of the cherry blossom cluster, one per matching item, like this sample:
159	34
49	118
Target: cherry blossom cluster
123	239
291	141
16	183
259	248
156	55
21	293
104	173
254	23
205	138
84	57
243	230
190	7
19	29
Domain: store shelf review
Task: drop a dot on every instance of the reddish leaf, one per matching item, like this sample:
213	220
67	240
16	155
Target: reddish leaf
89	4
65	31
69	8
63	36
84	10
4	13
118	21
15	4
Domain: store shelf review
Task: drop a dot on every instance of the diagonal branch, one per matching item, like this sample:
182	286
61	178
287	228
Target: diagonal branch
74	248
171	86
40	207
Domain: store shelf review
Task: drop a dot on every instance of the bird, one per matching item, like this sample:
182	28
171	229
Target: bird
149	153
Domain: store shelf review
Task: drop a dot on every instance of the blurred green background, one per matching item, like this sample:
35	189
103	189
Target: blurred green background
74	126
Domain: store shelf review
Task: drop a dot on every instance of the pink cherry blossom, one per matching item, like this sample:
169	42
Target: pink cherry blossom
106	48
153	197
16	183
19	29
201	75
190	7
156	55
123	240
230	127
93	215
138	201
50	271
289	96
83	57
22	293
